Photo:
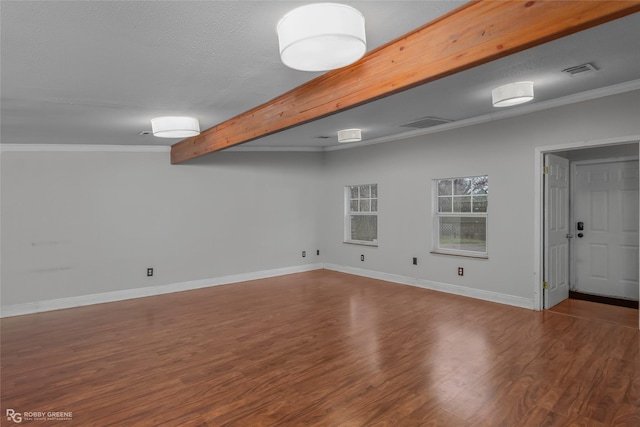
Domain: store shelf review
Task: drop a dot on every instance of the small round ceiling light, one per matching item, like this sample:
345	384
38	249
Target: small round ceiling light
175	127
349	135
321	37
512	94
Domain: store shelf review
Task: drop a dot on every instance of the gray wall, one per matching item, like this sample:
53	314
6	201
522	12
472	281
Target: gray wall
503	149
82	223
86	223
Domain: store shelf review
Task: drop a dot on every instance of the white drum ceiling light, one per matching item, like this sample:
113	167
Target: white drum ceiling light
175	127
349	135
321	37
512	94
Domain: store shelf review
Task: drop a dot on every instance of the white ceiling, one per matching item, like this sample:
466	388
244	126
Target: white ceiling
96	72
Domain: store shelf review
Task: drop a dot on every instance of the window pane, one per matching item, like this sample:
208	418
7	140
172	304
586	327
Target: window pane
444	204
480	203
462	186
374	190
364	228
353	206
480	184
354	192
462	204
364	206
374	205
444	187
463	233
364	191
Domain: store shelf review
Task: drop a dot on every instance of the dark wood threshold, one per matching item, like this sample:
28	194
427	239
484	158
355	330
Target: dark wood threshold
620	302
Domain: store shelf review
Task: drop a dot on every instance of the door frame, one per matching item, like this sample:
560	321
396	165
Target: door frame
538	229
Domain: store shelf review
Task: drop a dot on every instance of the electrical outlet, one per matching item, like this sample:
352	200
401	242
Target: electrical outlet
460	271
361	257
415	261
149	272
304	254
318	252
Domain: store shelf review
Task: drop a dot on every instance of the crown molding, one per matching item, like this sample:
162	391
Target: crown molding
84	148
499	115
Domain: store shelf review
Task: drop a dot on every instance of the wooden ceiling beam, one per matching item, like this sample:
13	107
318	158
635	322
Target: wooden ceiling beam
474	34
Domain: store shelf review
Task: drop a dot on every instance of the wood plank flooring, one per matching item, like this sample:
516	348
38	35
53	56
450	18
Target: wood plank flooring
319	349
623	316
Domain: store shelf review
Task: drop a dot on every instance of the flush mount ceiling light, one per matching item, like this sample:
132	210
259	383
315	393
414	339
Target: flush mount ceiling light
512	94
321	37
349	135
175	127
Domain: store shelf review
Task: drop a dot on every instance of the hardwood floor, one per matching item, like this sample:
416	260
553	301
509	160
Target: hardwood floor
622	316
319	349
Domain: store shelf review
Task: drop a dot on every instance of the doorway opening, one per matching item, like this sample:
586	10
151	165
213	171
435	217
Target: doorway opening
589	225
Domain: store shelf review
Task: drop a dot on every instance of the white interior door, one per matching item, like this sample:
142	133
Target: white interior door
606	249
556	230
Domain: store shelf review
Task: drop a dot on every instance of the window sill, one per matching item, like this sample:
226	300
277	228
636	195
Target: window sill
460	254
355	242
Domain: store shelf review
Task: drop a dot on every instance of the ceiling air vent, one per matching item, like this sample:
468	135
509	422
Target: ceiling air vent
425	122
580	69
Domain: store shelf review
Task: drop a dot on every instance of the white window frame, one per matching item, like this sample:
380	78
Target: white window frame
437	215
348	213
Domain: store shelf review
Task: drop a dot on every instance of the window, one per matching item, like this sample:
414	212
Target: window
460	221
361	214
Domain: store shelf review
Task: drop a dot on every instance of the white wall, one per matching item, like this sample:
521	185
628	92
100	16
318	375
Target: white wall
503	149
83	223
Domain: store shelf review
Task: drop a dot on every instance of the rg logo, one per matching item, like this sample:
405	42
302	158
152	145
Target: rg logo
14	416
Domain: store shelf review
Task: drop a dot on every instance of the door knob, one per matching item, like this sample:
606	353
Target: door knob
580	235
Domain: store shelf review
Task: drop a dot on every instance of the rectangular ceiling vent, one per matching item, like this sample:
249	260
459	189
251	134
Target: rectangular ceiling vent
425	122
580	69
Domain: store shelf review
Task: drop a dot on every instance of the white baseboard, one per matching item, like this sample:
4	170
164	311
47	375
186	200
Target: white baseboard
436	286
62	303
477	293
395	278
